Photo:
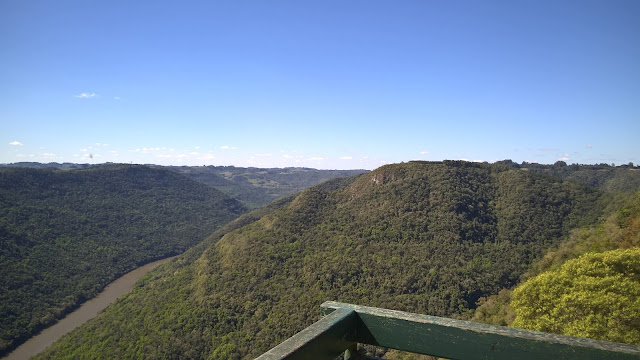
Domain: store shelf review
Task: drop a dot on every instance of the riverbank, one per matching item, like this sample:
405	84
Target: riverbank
87	311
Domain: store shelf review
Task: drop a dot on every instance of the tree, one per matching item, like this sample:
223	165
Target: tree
596	295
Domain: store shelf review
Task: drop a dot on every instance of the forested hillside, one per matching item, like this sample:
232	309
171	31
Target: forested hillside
423	237
65	234
257	187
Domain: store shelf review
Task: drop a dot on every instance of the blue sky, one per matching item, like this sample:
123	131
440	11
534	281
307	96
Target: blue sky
324	84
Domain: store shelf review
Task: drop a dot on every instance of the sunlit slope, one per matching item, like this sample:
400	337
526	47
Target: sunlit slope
66	234
424	237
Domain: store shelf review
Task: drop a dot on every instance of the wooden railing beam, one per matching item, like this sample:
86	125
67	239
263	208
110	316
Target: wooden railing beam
456	339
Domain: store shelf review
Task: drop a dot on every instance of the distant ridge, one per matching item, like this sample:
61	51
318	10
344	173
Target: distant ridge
254	187
257	187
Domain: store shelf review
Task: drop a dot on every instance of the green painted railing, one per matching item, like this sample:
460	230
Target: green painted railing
346	325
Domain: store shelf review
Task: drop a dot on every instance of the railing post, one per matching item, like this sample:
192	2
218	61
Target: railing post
352	352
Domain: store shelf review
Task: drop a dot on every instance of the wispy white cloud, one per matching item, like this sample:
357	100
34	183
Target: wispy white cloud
149	150
16	143
424	153
227	147
188	157
589	146
86	95
263	155
116	98
346	157
564	157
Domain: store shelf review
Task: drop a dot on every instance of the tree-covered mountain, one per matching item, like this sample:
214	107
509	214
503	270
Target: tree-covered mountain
257	187
430	238
65	234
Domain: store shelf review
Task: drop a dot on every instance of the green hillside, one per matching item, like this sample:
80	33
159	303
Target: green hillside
423	237
65	234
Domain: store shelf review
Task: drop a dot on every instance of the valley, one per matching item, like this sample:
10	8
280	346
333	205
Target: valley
66	234
84	313
439	238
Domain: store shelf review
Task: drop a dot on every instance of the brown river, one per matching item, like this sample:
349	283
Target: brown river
85	312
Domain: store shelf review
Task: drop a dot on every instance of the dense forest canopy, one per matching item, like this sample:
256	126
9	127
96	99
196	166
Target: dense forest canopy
430	238
65	234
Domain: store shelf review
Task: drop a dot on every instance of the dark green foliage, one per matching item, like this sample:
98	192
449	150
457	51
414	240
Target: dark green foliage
620	230
66	234
429	238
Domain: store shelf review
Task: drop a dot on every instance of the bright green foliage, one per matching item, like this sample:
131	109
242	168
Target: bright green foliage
65	234
596	295
429	238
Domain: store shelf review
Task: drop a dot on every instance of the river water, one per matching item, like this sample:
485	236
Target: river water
84	313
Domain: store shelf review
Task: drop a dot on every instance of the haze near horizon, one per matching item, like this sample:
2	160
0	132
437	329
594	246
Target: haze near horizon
327	85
